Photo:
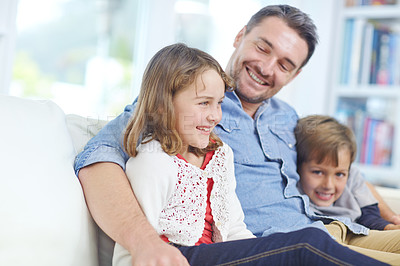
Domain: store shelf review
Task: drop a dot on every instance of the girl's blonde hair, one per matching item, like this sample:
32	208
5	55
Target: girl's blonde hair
171	69
320	138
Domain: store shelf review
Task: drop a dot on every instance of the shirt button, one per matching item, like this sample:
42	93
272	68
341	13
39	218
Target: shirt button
218	224
290	145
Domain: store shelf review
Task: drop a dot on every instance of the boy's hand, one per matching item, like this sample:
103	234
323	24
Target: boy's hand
392	227
395	219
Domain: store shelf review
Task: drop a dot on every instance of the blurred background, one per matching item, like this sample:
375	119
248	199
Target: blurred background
89	56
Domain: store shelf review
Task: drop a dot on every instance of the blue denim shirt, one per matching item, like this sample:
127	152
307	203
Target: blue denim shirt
265	162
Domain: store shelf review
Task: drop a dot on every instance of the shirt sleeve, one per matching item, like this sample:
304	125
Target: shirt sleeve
107	145
371	218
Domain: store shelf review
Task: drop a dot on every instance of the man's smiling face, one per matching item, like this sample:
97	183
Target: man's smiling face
265	59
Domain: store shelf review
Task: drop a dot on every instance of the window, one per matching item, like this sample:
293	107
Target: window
77	53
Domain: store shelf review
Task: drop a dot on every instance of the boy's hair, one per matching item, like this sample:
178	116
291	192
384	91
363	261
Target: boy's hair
320	138
294	18
173	68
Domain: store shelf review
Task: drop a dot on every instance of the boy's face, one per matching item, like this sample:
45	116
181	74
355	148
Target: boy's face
324	183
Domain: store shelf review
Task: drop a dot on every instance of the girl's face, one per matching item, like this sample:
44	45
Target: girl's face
324	183
198	109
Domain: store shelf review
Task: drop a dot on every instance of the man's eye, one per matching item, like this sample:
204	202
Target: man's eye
284	67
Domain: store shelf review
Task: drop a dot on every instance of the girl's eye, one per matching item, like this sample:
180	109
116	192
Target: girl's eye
220	102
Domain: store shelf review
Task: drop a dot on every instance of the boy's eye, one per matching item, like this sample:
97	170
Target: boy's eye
317	172
340	175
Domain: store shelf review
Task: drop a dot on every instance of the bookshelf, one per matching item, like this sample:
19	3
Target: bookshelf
365	92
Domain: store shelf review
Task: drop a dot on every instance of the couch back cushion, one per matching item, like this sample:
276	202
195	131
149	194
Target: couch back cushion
44	219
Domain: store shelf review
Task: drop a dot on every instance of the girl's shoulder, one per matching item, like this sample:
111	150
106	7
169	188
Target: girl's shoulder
151	153
151	159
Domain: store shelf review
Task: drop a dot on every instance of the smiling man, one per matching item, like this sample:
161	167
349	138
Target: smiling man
270	51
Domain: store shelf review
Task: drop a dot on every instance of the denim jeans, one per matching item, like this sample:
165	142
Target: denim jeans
309	246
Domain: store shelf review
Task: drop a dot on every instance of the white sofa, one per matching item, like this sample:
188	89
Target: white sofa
43	215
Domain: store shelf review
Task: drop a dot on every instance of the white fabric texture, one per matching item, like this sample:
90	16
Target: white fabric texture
173	194
44	219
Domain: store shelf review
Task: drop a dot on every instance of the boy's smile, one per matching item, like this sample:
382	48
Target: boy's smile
323	182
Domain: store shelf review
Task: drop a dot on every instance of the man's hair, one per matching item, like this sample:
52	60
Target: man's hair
320	138
294	18
173	68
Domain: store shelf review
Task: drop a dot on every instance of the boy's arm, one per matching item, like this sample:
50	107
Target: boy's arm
115	209
371	218
384	209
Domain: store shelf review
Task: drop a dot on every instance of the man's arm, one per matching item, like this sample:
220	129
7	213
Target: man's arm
384	209
113	206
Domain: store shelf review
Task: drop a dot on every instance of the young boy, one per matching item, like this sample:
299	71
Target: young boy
338	194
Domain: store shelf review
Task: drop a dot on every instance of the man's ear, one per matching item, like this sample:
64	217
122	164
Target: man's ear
239	37
295	75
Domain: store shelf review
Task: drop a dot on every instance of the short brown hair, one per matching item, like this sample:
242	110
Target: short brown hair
321	137
295	19
173	68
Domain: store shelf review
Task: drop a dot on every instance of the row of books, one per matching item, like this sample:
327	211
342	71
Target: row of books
369	2
374	136
371	54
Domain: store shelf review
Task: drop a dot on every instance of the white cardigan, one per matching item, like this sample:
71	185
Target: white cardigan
173	194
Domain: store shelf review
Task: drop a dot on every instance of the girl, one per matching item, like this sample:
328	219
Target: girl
183	175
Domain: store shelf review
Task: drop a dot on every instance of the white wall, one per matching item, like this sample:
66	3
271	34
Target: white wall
8	10
309	92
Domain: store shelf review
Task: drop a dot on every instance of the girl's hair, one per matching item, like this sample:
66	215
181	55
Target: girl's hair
171	69
320	138
294	18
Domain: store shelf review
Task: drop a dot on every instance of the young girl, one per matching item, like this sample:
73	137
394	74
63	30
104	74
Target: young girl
325	152
183	175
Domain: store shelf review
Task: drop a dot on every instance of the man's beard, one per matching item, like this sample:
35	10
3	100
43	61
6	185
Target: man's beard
242	96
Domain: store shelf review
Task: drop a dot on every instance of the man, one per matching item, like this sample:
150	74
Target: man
270	51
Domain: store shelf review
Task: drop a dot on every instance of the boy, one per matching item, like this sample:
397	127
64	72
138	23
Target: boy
325	152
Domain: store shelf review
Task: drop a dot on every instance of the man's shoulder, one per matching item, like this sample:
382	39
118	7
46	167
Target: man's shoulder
279	104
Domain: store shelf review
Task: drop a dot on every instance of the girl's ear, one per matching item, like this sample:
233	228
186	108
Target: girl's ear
239	37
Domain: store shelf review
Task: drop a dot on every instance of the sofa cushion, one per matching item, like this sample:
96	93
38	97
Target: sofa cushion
44	219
